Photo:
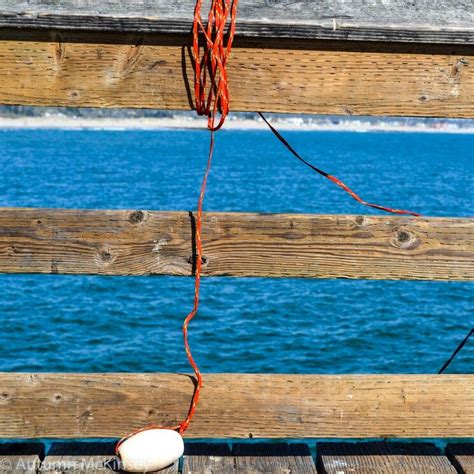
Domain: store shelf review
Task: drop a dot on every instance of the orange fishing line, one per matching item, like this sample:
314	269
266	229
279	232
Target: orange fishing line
211	90
332	178
211	50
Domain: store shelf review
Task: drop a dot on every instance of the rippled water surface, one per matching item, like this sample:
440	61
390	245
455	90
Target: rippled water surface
91	323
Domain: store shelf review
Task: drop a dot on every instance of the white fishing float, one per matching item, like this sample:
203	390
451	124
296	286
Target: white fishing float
150	450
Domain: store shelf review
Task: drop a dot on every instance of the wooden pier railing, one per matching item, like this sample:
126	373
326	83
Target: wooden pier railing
401	58
331	57
238	405
142	242
268	245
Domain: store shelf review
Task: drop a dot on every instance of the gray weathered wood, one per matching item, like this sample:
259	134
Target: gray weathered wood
79	458
234	244
206	458
442	21
85	457
273	458
250	458
381	458
462	457
20	458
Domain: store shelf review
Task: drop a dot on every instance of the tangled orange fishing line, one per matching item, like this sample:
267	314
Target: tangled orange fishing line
211	49
211	91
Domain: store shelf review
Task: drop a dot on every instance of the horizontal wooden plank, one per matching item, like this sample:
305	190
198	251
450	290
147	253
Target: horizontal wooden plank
238	405
86	70
139	242
445	21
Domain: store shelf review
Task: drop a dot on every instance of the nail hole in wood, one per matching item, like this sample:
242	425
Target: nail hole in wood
106	256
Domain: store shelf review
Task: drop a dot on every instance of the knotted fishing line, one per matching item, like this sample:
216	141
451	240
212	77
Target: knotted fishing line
211	90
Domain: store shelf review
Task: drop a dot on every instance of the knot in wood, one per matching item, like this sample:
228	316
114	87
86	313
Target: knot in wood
136	217
403	236
404	239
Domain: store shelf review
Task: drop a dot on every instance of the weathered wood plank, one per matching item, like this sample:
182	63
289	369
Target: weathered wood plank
79	458
275	245
72	69
273	458
204	458
382	458
462	457
20	458
237	405
447	21
85	458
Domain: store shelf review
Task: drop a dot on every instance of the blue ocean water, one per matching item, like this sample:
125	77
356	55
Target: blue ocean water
91	323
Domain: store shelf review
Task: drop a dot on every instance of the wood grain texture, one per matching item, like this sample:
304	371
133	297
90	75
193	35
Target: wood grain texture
273	458
381	458
208	458
86	70
462	457
238	405
445	21
272	245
